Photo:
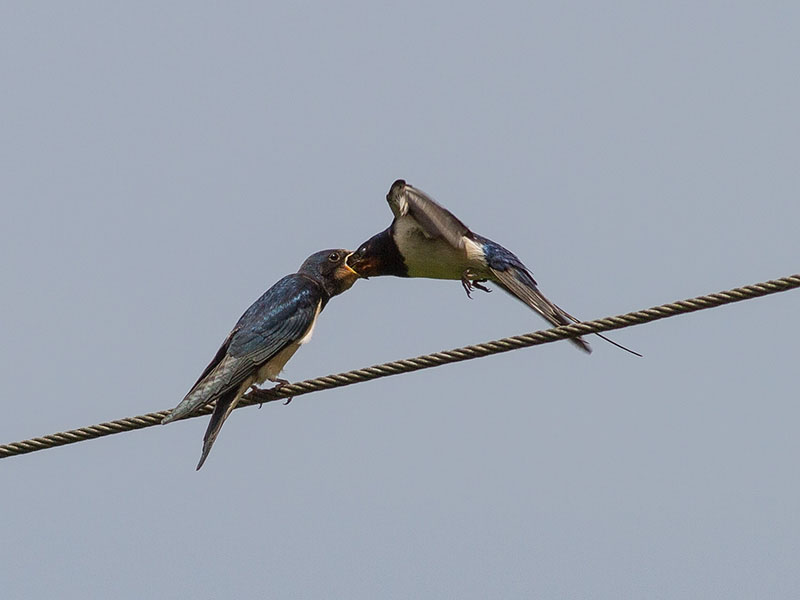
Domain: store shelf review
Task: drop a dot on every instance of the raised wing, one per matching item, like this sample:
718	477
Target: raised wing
434	219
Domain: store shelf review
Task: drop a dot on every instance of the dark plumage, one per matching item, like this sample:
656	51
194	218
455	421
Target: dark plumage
265	338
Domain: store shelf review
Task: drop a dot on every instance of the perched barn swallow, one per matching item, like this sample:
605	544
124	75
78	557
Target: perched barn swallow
265	338
427	240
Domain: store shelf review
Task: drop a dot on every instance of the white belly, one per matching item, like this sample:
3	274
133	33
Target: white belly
435	258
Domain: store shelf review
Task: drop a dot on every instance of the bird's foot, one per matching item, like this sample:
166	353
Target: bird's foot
478	284
254	388
282	383
468	283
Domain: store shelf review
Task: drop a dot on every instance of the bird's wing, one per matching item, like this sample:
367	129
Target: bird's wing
435	220
223	350
281	316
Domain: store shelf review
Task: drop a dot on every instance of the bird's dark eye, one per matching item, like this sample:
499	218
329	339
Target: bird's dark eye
363	249
333	257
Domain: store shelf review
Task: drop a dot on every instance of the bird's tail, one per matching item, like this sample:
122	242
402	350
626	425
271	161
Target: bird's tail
223	407
521	285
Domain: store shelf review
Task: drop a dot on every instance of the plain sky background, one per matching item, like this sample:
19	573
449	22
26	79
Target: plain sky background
165	163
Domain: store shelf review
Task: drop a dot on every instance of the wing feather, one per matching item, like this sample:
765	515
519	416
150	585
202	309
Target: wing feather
435	220
281	316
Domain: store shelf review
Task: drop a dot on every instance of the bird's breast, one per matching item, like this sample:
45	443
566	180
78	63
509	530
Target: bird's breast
434	257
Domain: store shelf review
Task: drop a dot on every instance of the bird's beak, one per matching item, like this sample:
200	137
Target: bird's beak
363	266
348	267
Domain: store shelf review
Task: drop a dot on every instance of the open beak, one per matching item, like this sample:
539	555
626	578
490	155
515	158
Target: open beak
363	266
349	268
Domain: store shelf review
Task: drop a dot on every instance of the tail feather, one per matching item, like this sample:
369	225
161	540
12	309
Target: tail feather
520	284
223	407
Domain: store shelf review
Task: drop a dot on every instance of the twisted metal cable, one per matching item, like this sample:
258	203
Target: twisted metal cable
421	362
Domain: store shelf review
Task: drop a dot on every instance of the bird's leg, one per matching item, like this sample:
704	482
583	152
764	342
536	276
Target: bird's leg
468	282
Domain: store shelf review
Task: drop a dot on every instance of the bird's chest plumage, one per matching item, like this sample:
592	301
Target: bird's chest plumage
434	257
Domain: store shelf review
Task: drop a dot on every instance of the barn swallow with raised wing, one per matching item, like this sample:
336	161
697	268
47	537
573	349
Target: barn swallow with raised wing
265	338
427	240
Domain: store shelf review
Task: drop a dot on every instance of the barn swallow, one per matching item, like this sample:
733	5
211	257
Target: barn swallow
427	240
265	338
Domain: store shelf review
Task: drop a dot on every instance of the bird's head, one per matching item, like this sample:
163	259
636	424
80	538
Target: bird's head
330	268
377	256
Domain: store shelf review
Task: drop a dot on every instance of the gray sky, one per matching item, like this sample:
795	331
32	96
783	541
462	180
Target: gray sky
163	165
